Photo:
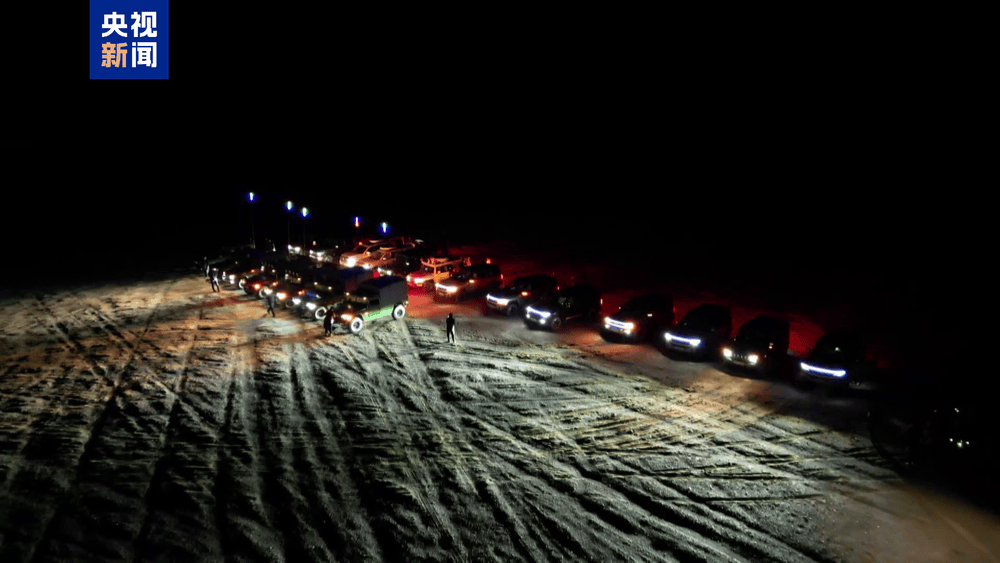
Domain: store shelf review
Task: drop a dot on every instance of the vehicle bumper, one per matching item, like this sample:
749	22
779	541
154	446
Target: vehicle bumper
494	306
616	330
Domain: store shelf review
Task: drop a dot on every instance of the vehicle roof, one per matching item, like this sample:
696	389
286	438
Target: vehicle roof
482	266
711	309
532	278
440	261
767	321
383	281
653	299
579	289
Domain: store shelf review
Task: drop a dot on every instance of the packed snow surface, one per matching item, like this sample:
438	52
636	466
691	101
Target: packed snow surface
156	420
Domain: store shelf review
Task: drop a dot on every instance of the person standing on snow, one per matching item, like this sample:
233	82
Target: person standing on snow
328	322
269	298
450	327
213	277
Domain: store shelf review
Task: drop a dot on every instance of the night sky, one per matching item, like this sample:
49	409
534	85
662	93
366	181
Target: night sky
612	134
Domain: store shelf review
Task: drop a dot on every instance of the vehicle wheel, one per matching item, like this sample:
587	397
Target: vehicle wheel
556	323
260	293
398	312
512	310
320	313
242	282
356	325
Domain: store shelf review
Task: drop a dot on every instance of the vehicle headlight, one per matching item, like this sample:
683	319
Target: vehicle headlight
451	289
366	266
296	300
310	306
607	322
351	261
418	280
667	336
727	352
501	302
347	316
695	342
752	358
388	272
282	295
629	326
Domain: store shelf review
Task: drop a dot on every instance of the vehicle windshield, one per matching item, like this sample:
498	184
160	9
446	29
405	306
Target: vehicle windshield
754	334
638	304
429	269
835	349
359	249
697	318
461	276
519	285
360	298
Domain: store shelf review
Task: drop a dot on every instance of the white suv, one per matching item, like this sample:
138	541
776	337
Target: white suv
433	270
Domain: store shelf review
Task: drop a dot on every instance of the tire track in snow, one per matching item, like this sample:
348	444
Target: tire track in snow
338	506
628	526
91	475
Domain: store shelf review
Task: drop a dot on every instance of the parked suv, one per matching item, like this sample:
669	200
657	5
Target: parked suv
761	345
433	270
640	317
839	359
513	298
384	297
574	303
701	332
330	290
472	280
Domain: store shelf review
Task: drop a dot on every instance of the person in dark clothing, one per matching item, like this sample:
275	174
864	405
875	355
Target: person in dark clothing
269	298
328	322
450	326
213	277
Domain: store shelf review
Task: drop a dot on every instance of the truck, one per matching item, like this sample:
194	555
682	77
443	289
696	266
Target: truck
383	297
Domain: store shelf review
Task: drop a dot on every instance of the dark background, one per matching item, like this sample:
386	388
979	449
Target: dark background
833	155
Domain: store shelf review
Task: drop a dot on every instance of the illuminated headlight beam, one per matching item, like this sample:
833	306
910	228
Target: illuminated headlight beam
817	369
694	342
543	314
498	301
727	353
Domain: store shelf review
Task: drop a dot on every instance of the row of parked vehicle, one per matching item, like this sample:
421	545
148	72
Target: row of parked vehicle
329	281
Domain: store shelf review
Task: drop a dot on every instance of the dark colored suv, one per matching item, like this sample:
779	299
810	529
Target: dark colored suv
574	303
839	359
471	280
701	332
515	296
761	345
640	317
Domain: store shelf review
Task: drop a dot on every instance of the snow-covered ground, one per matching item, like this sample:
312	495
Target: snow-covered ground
156	420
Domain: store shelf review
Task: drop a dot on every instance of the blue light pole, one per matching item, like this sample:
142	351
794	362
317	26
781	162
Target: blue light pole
305	213
288	247
253	232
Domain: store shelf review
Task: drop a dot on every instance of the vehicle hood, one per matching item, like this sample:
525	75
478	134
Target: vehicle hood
748	348
547	305
506	294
